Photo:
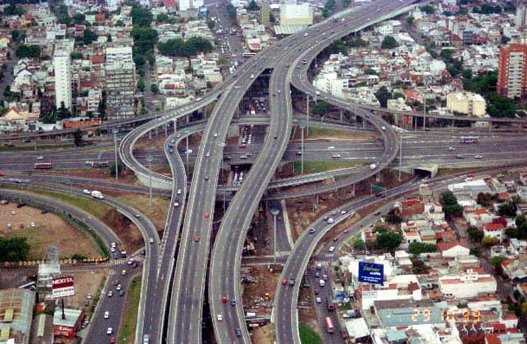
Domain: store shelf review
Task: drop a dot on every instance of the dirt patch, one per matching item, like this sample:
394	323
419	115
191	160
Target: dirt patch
49	229
125	229
86	283
263	335
13	278
307	314
127	176
258	296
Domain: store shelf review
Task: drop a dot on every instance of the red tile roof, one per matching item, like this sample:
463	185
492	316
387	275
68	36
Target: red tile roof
444	246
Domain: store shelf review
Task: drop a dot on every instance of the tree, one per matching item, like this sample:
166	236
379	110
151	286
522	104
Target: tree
23	50
76	56
475	251
78	256
410	20
211	24
154	89
13	10
359	244
394	219
119	167
489	241
253	6
15	35
77	138
427	9
416	248
388	240
179	47
508	209
496	261
389	42
141	85
13	249
370	71
79	18
474	234
320	108
141	16
357	43
383	95
89	37
163	18
446	55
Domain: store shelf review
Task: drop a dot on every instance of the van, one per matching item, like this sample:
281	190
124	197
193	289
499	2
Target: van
319	300
322	283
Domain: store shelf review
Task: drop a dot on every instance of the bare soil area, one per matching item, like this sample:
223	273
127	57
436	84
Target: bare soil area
48	229
258	296
86	283
263	335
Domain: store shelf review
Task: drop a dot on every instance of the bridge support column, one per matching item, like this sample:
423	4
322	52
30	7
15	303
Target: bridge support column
341	114
352	193
188	118
378	177
175	125
490	127
452	127
166	130
150	134
156	131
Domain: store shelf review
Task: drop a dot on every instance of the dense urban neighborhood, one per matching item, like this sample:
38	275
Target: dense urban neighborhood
263	171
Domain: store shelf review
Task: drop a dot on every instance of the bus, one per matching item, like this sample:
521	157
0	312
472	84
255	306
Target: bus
249	54
43	165
469	139
329	325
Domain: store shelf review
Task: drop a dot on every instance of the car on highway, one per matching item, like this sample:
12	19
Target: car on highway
331	249
331	220
106	315
224	299
311	230
206	215
215	135
112	340
342	212
40	157
206	178
119	287
233	302
478	157
336	239
176	204
346	231
123	272
377	213
179	191
196	238
460	156
336	156
451	148
318	299
207	154
110	293
242	145
219	317
317	291
284	282
137	216
109	331
238	332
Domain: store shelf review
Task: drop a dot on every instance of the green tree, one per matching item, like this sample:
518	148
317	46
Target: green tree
89	36
357	43
76	56
13	249
359	244
474	234
154	89
211	23
79	18
78	256
163	18
394	219
383	95
320	108
475	251
416	248
77	138
496	261
23	50
508	209
141	16
13	10
370	71
427	9
389	42
119	168
141	85
253	6
388	240
410	20
15	35
489	241
446	55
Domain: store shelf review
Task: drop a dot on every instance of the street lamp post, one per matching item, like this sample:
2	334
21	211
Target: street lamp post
275	213
307	114
115	131
302	151
186	151
400	155
150	158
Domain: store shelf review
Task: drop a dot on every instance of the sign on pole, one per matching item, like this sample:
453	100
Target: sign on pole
62	287
377	187
371	273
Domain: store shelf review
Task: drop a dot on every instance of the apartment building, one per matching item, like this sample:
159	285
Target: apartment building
120	82
512	76
62	69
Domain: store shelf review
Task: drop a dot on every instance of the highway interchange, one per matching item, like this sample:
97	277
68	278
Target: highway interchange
176	266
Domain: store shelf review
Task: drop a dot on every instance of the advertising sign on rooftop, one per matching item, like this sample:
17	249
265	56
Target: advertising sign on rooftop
62	287
371	273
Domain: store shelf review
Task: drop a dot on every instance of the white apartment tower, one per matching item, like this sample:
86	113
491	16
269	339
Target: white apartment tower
520	20
62	69
120	82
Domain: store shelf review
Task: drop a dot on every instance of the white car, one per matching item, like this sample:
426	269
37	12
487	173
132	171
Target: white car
40	157
478	157
109	331
451	148
331	147
219	317
86	192
106	315
179	191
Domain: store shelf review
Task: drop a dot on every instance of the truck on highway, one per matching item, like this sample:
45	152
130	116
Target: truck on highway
292	281
329	325
99	164
97	194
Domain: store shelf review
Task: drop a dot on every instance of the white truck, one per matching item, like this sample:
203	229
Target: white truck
97	194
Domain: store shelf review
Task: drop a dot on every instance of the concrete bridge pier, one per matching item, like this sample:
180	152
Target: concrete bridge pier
352	193
378	177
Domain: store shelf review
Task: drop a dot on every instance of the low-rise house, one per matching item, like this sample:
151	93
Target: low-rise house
454	249
469	284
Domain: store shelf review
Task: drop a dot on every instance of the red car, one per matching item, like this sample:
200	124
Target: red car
243	145
346	231
207	215
112	340
224	299
335	238
284	282
196	238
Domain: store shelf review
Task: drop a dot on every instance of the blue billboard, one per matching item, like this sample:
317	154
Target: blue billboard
371	273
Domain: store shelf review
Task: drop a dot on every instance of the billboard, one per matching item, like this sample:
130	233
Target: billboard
371	273
62	287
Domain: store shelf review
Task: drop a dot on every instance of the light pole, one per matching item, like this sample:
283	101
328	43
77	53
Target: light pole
222	145
275	213
115	131
400	155
307	114
302	150
150	158
186	151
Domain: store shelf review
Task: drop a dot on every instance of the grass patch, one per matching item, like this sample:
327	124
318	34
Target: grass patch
129	321
96	208
449	171
322	166
308	336
32	148
157	213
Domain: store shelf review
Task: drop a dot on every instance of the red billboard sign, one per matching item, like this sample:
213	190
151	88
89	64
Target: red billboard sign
62	286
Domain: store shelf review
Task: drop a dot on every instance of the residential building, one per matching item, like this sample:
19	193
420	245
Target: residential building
62	69
520	19
454	249
512	75
469	284
120	82
467	103
16	312
66	327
